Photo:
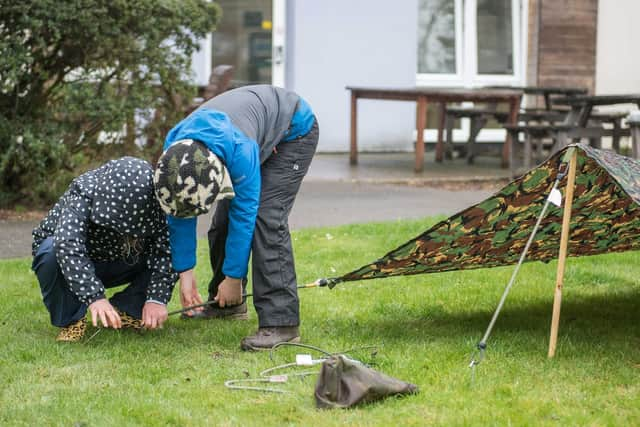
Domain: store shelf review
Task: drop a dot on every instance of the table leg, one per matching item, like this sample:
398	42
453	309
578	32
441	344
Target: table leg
528	140
635	142
584	115
616	135
583	118
574	116
635	139
448	141
514	106
440	143
353	157
561	141
421	122
512	153
477	123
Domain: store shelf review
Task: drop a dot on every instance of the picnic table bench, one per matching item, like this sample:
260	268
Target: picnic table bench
422	96
582	105
634	125
478	119
582	121
549	93
479	116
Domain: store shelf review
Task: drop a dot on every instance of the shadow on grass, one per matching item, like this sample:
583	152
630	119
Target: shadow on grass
609	319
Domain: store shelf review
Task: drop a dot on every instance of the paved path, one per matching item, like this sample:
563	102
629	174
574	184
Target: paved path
16	238
319	203
322	203
336	193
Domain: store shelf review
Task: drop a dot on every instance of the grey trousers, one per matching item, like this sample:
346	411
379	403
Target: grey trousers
274	282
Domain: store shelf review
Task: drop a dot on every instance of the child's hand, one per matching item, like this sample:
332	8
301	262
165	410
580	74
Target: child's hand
154	315
189	291
103	310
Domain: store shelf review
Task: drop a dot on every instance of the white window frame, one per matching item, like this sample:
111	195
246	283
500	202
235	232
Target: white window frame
278	43
467	63
471	40
443	79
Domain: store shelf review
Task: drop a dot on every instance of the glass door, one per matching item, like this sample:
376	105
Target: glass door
250	37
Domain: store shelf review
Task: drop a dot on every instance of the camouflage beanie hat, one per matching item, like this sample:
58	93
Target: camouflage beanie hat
189	178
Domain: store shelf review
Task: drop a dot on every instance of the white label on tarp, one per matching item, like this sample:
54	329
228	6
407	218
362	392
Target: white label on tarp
556	197
304	360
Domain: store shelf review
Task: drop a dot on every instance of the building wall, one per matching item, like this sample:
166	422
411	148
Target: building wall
565	33
335	43
618	61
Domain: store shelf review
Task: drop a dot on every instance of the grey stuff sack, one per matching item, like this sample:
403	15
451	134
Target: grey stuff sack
344	383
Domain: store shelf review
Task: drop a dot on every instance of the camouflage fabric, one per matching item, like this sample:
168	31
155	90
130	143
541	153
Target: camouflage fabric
605	218
189	178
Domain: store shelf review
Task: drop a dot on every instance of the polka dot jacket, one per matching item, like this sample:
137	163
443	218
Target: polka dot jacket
110	214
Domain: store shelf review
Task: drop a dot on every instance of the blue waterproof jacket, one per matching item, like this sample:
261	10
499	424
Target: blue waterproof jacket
241	156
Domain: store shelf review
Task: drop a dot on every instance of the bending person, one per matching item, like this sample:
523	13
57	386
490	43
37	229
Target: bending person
248	148
106	230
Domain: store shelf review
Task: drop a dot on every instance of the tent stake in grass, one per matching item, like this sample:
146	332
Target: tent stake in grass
562	256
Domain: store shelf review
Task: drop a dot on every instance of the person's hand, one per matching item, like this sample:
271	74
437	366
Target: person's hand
154	315
103	310
229	292
189	291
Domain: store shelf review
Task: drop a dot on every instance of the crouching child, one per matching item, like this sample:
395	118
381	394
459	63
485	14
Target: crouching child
106	230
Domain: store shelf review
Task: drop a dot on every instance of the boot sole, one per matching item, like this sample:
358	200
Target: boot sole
249	347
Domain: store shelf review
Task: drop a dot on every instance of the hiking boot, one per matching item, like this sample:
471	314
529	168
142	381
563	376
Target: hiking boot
73	332
130	322
266	338
234	312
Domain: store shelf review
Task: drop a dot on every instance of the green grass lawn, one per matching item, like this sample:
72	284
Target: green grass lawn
426	328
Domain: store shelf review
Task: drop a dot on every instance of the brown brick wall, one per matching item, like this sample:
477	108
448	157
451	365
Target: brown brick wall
562	43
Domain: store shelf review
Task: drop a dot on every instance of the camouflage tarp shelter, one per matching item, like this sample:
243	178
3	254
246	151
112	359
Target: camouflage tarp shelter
605	217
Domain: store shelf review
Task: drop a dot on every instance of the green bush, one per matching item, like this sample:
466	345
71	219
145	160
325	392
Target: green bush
34	169
72	71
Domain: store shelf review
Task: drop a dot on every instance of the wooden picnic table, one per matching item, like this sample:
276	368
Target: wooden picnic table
422	96
582	105
479	116
547	92
580	122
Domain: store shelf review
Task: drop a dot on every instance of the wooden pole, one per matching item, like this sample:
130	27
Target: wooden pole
564	243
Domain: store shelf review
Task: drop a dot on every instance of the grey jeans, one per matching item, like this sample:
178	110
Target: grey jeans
274	282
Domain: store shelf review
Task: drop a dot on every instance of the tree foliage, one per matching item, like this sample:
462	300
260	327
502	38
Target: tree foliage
74	71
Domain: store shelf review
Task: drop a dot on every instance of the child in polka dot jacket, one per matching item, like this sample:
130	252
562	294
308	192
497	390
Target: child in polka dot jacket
106	230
